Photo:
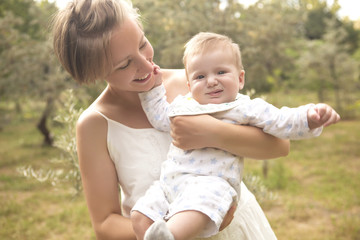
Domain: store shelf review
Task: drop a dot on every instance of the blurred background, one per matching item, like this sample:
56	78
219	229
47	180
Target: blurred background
294	52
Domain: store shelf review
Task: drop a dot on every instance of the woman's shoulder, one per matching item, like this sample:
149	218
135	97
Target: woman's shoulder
90	120
173	74
174	82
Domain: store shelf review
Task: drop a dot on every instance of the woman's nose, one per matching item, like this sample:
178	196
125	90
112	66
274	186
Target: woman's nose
145	64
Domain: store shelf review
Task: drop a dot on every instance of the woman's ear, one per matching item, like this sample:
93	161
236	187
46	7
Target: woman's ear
241	79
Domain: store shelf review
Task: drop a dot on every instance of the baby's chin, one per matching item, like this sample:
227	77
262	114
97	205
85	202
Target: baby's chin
215	101
223	99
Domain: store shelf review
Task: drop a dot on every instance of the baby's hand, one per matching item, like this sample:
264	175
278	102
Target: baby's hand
157	75
321	115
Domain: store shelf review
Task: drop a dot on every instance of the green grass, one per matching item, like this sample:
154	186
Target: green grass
30	209
316	185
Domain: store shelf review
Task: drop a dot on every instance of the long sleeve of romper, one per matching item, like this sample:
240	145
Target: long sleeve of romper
287	123
156	108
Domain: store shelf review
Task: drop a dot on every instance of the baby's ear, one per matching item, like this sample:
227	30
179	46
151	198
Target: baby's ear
241	79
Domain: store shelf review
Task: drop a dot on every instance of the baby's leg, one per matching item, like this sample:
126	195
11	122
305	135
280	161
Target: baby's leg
153	205
187	224
206	197
140	223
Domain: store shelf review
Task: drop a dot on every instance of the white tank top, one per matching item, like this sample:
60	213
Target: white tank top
137	155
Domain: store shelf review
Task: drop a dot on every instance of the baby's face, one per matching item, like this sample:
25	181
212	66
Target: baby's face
213	76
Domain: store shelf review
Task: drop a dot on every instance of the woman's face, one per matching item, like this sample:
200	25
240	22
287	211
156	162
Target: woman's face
131	54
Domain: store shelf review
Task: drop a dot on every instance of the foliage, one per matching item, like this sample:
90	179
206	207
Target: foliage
169	24
32	16
68	116
268	44
66	167
315	25
29	67
257	186
326	66
270	33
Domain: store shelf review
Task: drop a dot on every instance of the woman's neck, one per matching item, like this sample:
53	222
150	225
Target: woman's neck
123	107
121	98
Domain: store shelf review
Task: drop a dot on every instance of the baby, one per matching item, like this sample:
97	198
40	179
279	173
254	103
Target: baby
197	187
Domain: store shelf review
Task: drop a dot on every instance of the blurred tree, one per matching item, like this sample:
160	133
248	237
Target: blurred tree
318	13
33	18
327	65
14	47
169	24
343	69
315	23
28	68
353	36
268	41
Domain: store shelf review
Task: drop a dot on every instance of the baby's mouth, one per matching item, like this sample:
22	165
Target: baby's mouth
215	92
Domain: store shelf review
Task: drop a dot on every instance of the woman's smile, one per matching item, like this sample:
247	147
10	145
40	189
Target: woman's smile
144	78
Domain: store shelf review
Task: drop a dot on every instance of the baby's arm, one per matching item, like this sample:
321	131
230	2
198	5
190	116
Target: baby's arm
321	115
287	123
155	105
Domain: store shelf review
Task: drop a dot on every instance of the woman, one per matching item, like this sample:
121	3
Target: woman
116	144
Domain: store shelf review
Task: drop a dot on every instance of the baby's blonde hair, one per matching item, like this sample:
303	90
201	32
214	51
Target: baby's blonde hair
82	33
204	40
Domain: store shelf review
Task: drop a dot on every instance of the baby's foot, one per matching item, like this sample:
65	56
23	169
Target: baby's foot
158	231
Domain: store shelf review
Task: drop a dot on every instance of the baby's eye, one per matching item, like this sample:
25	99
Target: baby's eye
221	72
200	77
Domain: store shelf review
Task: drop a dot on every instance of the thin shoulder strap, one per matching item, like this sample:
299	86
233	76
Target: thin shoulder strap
101	114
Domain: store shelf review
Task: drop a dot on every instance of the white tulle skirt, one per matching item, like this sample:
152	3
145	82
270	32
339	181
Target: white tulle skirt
249	223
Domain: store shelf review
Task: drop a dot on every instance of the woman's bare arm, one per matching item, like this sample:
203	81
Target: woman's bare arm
100	179
205	131
247	141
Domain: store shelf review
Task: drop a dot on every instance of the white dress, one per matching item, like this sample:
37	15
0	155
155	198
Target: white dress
138	155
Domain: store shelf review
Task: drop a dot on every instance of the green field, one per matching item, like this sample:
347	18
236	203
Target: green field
316	187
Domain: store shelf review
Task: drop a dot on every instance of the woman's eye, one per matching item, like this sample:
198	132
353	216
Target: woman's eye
143	45
125	66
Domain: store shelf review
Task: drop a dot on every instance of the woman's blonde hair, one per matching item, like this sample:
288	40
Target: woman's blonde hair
81	36
205	40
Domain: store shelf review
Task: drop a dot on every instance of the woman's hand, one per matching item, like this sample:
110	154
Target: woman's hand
228	217
195	132
192	132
